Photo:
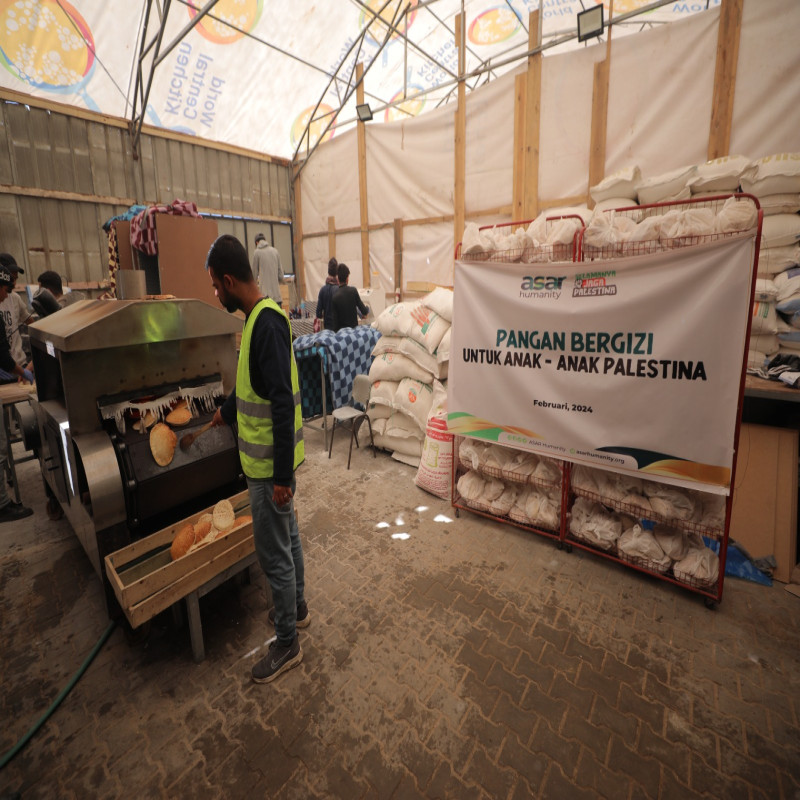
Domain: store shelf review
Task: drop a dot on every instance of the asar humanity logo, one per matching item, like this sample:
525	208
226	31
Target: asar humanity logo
542	286
594	284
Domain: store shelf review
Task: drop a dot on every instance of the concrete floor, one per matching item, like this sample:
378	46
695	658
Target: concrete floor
469	660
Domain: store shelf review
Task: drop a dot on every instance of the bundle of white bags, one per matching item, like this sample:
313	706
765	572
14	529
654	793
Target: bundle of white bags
409	371
510	483
659	549
650	499
536	506
540	241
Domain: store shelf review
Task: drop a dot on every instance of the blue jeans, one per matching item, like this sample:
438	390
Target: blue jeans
280	554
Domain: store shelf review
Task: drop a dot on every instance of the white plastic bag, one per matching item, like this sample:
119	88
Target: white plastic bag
636	542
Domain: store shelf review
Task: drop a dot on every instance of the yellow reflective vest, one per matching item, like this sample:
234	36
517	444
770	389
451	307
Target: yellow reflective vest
254	413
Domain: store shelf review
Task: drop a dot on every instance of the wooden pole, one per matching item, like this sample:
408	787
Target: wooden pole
298	239
331	237
730	27
362	180
460	136
533	97
518	188
597	152
398	257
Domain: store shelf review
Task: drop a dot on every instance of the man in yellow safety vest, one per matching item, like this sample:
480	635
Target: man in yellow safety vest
266	407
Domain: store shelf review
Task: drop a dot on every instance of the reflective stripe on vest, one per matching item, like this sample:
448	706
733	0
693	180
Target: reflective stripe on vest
254	413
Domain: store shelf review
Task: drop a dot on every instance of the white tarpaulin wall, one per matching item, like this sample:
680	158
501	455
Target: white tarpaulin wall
251	72
659	112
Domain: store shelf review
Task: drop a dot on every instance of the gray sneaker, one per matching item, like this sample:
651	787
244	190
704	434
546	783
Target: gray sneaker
279	659
303	617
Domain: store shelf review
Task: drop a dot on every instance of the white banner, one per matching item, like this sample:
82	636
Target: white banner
631	364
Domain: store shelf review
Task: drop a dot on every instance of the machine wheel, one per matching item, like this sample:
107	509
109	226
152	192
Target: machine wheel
54	510
711	604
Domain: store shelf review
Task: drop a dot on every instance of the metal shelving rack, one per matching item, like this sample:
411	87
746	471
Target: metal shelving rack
711	591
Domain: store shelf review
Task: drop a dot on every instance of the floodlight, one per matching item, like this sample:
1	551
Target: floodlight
365	112
590	23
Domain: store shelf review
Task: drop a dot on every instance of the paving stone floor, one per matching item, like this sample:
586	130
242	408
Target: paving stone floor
469	660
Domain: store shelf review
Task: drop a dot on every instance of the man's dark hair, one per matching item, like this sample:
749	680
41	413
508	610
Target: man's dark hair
227	256
342	272
333	265
51	280
260	238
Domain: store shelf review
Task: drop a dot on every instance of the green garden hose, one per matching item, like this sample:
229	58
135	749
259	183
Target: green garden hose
57	702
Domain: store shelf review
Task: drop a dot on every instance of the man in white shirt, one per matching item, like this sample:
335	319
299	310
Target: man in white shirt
14	311
267	269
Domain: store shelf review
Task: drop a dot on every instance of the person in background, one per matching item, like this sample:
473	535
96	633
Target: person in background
52	281
267	269
15	312
346	303
326	294
9	510
266	406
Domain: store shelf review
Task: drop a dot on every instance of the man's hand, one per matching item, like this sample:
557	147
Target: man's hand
217	420
282	495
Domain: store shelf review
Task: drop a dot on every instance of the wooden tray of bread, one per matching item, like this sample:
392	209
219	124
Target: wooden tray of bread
152	573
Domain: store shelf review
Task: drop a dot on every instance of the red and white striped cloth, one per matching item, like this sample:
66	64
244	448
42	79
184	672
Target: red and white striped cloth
144	236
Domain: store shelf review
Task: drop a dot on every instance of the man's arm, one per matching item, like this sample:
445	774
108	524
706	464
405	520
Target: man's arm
271	376
360	304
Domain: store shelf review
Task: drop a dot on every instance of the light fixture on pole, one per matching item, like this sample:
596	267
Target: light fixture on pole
364	112
590	23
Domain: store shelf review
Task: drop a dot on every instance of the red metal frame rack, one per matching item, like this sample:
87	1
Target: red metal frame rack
711	591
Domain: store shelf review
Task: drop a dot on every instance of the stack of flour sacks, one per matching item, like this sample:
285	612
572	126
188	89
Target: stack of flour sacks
409	371
505	482
773	179
661	548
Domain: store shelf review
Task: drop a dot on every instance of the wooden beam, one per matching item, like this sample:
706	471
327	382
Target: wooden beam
300	279
498	211
55	194
730	26
597	151
362	180
118	122
398	255
331	237
518	187
77	197
533	98
557	202
459	189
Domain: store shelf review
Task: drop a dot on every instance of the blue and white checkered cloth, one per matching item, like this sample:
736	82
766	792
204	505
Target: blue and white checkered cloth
345	354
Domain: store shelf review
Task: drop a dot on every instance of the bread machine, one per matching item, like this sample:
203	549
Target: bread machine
100	366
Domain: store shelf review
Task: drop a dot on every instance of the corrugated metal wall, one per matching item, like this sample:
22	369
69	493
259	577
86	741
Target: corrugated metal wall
62	177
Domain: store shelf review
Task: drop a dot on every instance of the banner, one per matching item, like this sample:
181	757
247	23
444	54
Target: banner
630	364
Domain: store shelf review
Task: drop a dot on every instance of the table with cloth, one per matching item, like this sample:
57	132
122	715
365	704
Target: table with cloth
343	355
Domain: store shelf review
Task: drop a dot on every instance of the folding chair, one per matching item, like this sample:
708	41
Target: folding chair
355	416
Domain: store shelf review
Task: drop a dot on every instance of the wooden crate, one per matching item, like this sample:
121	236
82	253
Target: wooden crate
145	579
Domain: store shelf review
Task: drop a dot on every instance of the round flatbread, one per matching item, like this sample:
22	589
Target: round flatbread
183	540
162	444
179	416
245	519
223	515
202	527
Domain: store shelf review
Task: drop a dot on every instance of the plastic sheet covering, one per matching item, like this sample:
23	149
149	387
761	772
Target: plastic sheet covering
649	108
